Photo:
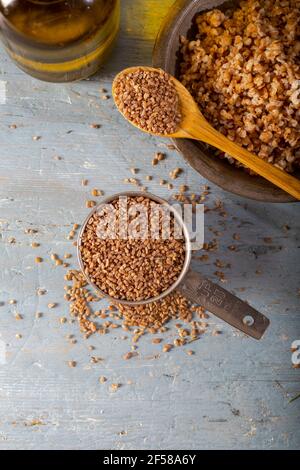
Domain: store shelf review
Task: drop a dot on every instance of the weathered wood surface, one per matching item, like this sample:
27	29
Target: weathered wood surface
234	392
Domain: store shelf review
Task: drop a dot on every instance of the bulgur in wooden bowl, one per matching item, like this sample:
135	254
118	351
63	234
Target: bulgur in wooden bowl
231	100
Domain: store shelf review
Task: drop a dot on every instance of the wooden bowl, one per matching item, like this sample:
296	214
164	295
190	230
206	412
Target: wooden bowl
166	55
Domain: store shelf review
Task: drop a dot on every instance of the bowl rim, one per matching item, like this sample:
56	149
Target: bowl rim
264	191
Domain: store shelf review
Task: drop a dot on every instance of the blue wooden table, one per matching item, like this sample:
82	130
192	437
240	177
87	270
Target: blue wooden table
233	392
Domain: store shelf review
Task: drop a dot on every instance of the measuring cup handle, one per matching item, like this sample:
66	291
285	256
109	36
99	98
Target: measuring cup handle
224	305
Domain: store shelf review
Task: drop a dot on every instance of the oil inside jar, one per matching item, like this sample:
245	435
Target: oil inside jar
59	40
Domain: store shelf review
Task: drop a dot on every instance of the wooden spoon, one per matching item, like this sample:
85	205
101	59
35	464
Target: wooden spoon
194	126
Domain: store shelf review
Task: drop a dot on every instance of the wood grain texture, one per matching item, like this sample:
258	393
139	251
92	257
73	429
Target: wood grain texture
234	392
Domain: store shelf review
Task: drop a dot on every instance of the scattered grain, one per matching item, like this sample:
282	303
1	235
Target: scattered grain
34	245
52	305
114	387
160	156
156	340
128	355
216	333
96	192
175	173
41	291
90	204
95	126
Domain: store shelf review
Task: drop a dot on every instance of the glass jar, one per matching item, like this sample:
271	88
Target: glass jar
59	40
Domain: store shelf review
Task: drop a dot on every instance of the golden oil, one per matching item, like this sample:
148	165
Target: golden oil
59	40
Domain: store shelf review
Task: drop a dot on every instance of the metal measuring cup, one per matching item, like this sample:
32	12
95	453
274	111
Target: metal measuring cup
195	287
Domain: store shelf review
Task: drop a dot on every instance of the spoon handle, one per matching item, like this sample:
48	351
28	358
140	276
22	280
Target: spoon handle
202	130
224	305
